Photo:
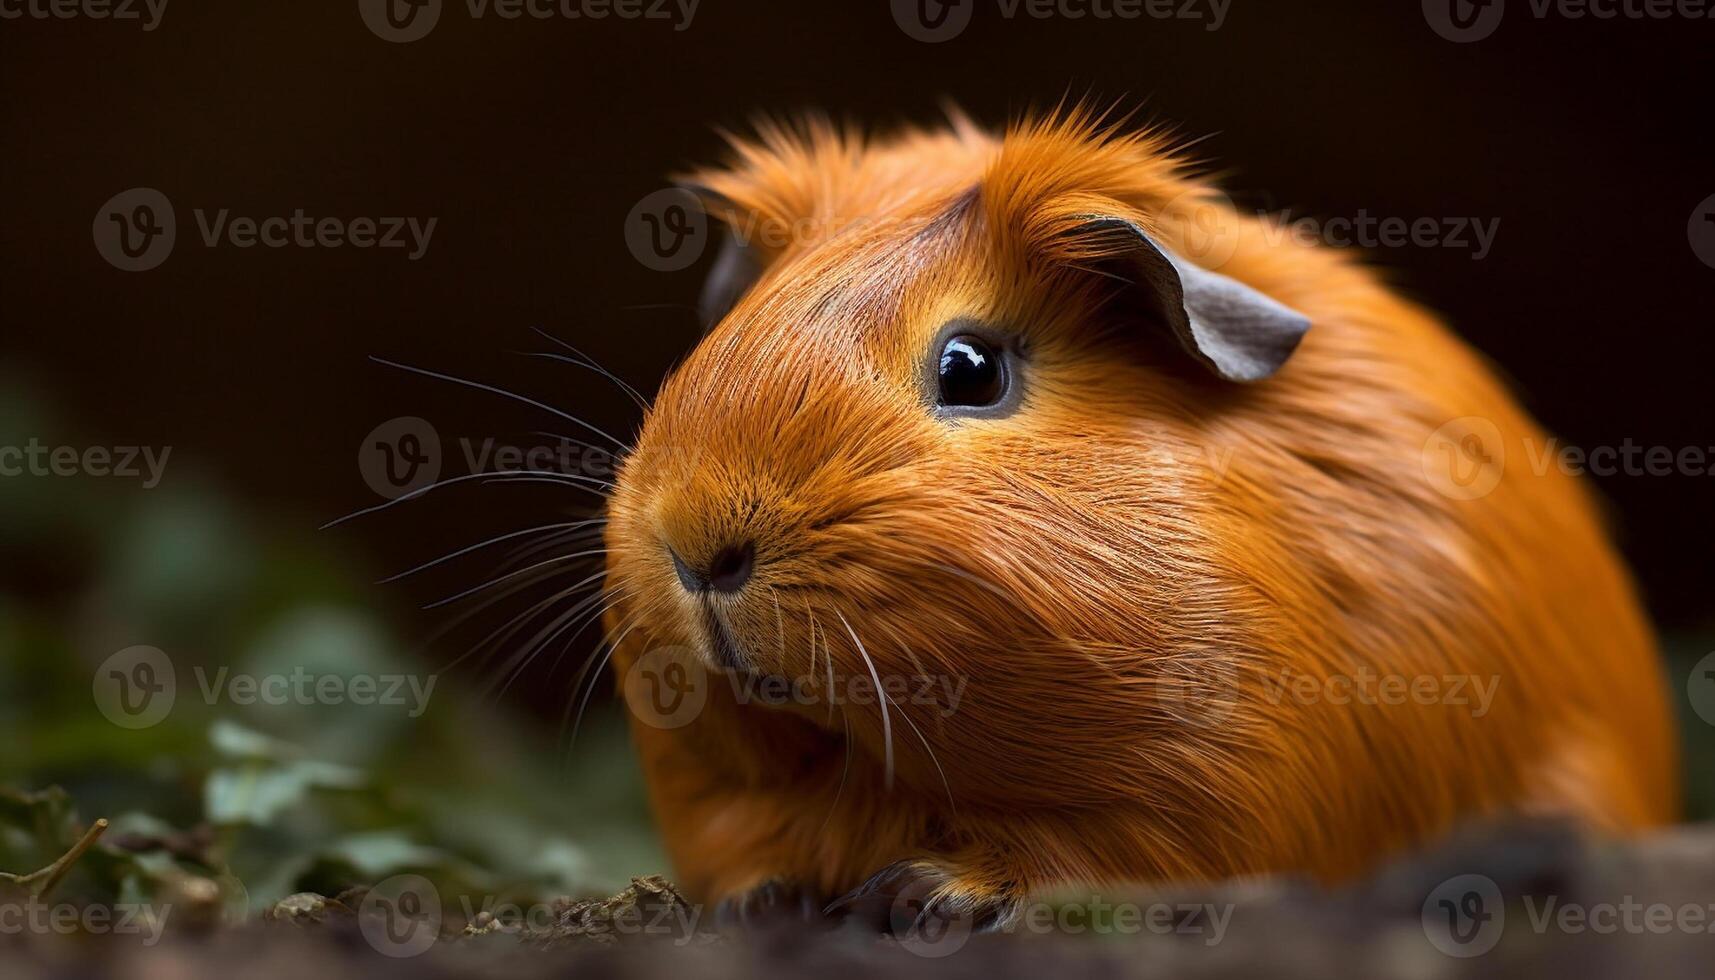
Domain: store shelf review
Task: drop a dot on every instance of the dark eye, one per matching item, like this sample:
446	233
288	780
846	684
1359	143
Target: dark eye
971	372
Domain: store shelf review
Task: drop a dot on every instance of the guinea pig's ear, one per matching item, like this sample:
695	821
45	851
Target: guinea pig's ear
737	268
738	264
1235	331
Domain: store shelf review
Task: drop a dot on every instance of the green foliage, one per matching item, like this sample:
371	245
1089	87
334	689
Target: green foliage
243	801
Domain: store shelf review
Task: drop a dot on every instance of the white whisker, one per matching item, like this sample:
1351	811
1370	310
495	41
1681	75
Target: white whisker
886	721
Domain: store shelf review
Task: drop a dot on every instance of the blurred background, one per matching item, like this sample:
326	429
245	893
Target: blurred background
531	143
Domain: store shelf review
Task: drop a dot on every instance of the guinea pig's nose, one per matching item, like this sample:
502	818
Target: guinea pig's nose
727	572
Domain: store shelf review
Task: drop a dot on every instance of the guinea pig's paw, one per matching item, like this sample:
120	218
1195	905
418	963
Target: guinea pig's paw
775	903
922	899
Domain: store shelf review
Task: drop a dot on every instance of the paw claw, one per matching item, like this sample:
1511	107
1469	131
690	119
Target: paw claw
775	903
917	901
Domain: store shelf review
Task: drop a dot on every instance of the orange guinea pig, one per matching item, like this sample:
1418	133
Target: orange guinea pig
1028	518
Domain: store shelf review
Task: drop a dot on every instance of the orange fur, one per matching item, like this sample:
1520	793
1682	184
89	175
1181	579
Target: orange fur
1123	570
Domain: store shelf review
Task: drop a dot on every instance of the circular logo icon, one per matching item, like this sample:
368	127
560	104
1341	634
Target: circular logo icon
135	229
1701	231
933	21
401	917
1462	21
1209	234
667	687
668	230
400	21
1700	687
400	456
926	927
1197	694
1465	458
136	687
1465	916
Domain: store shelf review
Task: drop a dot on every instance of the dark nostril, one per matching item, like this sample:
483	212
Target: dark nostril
731	567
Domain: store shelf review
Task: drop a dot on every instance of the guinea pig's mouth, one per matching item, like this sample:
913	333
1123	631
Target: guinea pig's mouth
728	655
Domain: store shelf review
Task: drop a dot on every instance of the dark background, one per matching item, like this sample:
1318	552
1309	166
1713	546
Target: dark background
531	140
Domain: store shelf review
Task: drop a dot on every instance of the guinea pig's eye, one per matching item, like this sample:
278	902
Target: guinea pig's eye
971	372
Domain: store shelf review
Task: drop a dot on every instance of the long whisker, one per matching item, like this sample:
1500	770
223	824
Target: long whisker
886	722
525	552
509	628
595	365
574	441
590	364
780	624
528	478
612	647
471	611
967	576
509	575
591	669
847	771
571	478
585	610
483	544
491	389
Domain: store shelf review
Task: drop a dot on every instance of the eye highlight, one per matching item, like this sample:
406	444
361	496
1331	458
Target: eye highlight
971	373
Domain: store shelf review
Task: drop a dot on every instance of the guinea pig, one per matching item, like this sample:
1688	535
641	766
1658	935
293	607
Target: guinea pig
1029	518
